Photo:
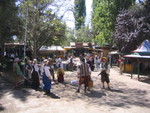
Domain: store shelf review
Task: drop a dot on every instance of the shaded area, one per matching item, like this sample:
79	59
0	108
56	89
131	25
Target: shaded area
95	94
54	96
21	94
145	79
120	94
2	108
7	87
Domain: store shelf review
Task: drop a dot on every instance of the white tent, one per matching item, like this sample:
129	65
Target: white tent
51	48
144	47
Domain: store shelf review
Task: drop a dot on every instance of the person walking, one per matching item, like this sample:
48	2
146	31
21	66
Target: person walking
84	73
104	72
46	76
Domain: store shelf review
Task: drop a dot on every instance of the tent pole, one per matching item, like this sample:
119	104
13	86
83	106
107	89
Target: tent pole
25	38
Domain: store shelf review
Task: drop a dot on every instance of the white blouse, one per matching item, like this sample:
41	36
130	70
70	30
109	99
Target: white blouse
46	70
36	67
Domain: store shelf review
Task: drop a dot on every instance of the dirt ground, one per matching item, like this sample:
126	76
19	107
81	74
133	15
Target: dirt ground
126	96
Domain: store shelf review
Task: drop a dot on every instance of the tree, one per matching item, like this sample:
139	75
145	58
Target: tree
10	24
43	27
104	18
84	34
79	13
133	27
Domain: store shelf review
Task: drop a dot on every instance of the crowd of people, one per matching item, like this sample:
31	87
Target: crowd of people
33	71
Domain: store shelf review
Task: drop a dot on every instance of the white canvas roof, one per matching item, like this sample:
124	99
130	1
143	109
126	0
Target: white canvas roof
137	56
51	48
144	47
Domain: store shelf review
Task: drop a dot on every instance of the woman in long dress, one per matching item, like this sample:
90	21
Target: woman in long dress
46	76
17	71
35	75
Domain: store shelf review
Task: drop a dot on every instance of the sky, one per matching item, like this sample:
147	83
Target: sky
69	18
66	10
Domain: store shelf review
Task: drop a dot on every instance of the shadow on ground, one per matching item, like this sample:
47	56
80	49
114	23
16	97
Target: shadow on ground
2	108
7	87
119	95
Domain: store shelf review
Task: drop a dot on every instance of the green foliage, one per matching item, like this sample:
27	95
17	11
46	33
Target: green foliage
10	23
79	13
43	27
133	27
69	37
83	34
104	17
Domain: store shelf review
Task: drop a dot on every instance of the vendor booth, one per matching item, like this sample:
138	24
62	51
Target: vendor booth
140	59
114	56
52	51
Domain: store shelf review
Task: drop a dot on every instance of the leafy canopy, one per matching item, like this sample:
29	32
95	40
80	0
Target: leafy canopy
104	18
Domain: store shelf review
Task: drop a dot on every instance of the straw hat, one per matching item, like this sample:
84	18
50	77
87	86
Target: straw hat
105	58
45	61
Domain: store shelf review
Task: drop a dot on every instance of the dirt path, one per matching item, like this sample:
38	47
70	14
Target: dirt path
126	96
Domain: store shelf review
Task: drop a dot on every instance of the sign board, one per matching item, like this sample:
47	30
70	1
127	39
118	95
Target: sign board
79	45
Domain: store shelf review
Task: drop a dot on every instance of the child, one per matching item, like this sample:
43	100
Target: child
60	75
104	72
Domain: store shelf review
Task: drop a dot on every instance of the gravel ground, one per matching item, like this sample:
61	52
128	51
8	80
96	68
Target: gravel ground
126	96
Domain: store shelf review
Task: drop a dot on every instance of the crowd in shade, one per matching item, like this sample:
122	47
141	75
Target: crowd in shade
42	75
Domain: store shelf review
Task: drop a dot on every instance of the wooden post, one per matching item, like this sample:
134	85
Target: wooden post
138	69
131	70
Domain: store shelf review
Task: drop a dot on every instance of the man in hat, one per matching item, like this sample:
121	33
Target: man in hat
84	73
104	72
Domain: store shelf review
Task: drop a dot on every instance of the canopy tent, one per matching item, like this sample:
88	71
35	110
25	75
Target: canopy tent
143	51
137	56
51	48
114	53
144	48
141	54
114	56
52	51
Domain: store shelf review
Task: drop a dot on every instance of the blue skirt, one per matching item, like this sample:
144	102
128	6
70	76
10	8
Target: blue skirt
46	83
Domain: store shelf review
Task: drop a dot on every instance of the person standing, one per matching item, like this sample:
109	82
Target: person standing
60	75
71	63
97	63
84	73
104	72
121	65
35	75
50	64
17	71
46	76
28	70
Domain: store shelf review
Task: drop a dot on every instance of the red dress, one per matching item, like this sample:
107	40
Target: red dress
61	78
